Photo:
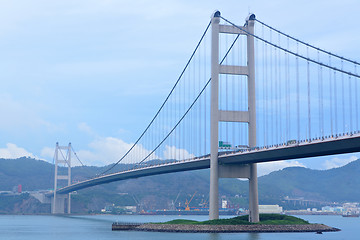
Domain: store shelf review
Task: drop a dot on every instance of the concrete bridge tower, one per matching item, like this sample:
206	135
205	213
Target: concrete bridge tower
232	170
58	200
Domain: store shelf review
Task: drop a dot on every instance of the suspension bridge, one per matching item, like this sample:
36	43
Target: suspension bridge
247	94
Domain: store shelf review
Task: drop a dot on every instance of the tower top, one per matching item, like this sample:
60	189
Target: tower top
216	14
251	16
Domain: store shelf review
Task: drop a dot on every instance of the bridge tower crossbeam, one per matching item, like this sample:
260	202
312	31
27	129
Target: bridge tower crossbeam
232	171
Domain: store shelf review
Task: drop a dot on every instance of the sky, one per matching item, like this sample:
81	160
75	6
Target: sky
93	73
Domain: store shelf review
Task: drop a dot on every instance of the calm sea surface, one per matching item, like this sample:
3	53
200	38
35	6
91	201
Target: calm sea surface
99	227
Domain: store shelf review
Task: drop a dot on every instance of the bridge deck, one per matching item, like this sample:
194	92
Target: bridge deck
331	146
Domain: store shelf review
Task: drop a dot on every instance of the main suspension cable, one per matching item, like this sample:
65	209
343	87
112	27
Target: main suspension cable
293	53
162	106
188	110
77	157
307	44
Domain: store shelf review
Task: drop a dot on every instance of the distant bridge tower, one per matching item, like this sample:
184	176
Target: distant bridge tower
230	170
58	201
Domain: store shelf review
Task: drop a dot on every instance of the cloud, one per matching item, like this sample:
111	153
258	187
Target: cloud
12	151
47	152
266	168
171	152
85	128
18	115
339	162
106	150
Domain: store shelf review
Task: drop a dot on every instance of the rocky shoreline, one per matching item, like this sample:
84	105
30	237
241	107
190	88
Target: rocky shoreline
318	228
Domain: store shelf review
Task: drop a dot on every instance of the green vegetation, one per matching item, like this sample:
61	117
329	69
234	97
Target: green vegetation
265	219
278	219
181	221
157	192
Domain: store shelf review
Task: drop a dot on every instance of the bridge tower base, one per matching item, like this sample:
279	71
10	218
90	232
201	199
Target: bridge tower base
58	203
58	200
217	115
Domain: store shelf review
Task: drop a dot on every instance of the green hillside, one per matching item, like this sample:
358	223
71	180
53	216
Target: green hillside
153	192
334	185
159	192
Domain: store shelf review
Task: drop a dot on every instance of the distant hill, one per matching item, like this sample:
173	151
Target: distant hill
337	184
154	192
158	192
32	174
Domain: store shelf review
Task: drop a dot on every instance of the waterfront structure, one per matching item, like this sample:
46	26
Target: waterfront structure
270	209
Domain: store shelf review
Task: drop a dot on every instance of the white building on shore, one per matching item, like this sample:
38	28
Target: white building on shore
270	209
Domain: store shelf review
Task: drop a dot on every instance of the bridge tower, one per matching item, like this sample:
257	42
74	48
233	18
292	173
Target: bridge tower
58	201
232	171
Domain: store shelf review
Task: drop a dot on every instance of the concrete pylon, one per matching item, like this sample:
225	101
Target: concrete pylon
216	115
214	119
253	185
58	200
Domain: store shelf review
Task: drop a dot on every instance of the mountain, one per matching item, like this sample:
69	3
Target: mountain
153	192
32	174
159	192
334	185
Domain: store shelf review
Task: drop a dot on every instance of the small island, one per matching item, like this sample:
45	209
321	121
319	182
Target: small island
268	223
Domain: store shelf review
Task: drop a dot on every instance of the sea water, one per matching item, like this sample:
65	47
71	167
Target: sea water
90	227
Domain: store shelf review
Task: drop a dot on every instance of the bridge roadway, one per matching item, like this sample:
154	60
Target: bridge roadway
329	146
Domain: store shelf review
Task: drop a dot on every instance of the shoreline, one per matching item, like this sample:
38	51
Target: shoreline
186	228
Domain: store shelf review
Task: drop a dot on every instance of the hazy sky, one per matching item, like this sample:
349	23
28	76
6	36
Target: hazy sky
94	72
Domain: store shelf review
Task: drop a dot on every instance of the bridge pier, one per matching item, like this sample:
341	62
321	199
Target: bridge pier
253	194
217	115
248	171
58	204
